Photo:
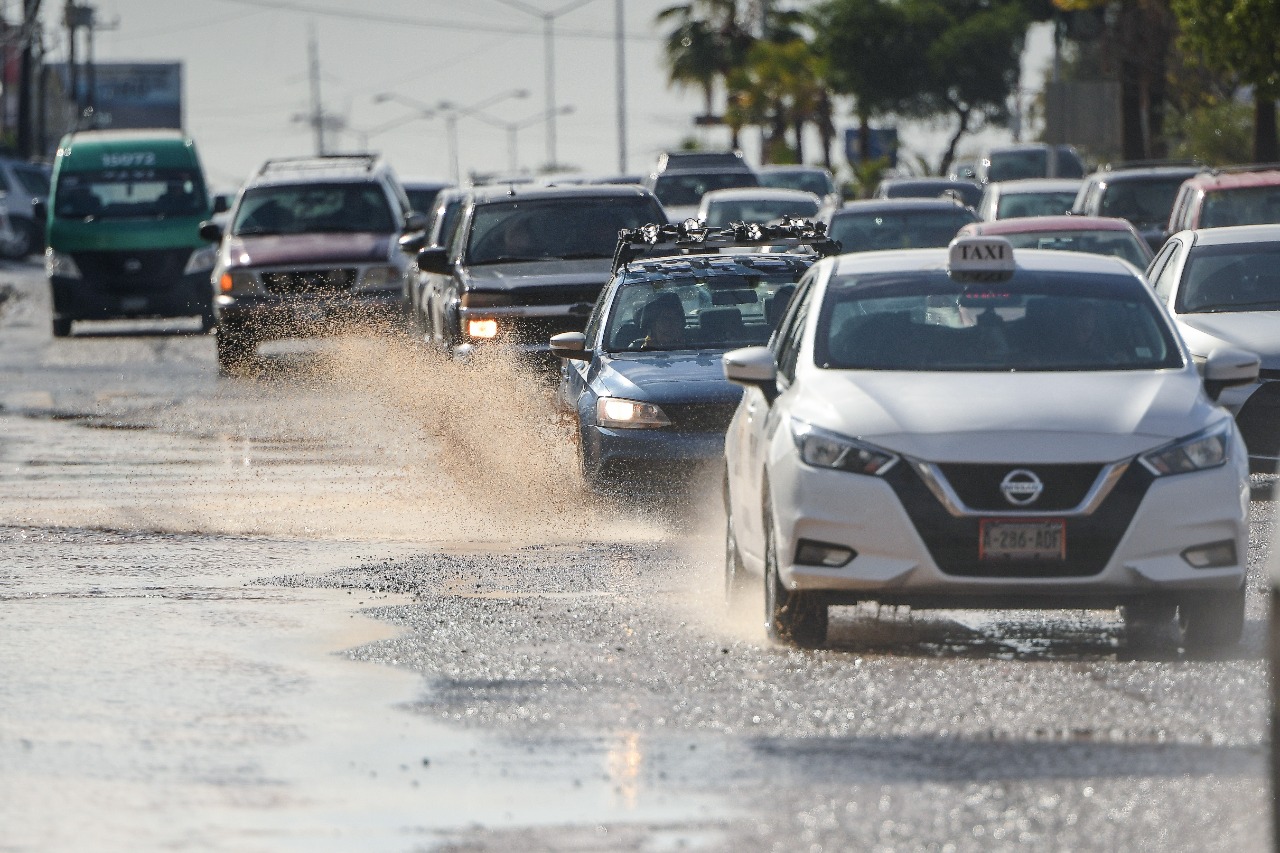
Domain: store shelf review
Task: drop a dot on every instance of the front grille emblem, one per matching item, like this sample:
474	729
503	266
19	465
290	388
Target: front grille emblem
1021	487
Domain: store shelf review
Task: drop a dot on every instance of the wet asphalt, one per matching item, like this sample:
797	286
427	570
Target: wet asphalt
309	610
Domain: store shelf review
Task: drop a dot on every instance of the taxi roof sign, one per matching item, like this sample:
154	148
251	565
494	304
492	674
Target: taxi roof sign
981	255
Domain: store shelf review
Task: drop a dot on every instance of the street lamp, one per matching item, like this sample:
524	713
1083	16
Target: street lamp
451	113
548	38
513	127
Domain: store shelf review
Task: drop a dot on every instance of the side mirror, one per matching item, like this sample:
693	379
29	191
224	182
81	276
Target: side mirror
415	222
413	242
754	367
571	345
1227	367
211	232
220	203
435	259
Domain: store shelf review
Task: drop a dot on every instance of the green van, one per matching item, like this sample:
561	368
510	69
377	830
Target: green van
124	218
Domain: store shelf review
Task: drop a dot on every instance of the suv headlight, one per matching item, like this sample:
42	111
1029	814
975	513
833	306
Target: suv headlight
823	449
60	264
374	278
201	260
1195	452
629	414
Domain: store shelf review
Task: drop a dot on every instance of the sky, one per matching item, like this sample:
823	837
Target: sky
247	82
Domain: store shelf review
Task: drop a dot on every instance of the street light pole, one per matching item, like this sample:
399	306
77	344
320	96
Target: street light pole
451	113
513	127
549	52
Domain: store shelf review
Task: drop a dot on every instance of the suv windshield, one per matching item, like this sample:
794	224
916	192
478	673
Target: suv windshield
684	190
1144	203
1032	322
902	229
554	228
122	193
1241	206
816	182
1239	277
721	212
715	312
310	208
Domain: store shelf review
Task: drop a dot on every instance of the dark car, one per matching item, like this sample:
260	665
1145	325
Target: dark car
526	263
681	191
422	193
1143	195
311	243
967	191
442	219
898	223
1028	160
645	382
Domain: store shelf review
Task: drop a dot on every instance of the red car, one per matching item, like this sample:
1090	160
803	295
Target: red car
1094	235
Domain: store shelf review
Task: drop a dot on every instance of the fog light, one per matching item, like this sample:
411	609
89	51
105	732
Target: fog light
482	328
1215	555
823	554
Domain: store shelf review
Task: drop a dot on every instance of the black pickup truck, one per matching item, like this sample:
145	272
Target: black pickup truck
526	263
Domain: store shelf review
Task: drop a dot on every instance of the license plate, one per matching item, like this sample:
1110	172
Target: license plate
1023	540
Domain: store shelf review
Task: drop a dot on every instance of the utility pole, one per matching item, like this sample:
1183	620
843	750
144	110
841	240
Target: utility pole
621	37
26	74
317	110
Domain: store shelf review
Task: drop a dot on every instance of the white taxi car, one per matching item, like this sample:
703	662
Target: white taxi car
967	428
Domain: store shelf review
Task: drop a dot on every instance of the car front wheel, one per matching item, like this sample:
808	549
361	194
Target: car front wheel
791	616
1212	619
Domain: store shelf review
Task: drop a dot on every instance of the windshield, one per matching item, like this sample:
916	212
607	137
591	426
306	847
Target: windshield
421	200
1243	206
561	228
716	312
1238	277
1119	244
312	208
904	229
1032	322
1144	203
687	190
1035	204
123	193
818	183
721	213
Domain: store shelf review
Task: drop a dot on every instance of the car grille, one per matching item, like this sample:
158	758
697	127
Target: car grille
557	294
133	271
700	417
309	281
978	486
1259	420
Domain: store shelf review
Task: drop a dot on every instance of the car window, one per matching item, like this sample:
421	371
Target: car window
1164	271
121	193
421	200
721	213
818	183
34	181
1012	165
1034	204
906	229
314	208
1240	206
1144	203
682	190
1032	322
1234	277
1118	244
558	228
446	220
787	342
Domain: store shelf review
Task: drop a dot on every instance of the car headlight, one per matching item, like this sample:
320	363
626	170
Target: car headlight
201	260
237	282
629	414
60	264
823	449
380	276
1196	452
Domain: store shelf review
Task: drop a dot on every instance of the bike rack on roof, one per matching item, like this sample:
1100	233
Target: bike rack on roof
692	237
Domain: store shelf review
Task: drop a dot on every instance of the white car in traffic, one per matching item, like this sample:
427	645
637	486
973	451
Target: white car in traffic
970	428
1222	286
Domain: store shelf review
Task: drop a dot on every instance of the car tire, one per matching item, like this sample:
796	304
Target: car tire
236	348
798	618
1148	625
61	327
1212	620
736	587
207	318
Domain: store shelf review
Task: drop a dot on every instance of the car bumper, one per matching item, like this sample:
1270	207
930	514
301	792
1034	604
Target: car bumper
670	454
895	564
87	299
271	316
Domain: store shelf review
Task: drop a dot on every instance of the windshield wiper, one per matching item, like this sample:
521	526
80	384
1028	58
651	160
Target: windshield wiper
507	259
577	256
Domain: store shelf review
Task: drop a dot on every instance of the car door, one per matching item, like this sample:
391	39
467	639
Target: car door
575	373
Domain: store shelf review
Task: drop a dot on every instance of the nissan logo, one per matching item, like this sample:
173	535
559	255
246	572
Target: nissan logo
1021	487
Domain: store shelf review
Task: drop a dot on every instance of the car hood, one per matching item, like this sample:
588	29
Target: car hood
1255	331
275	249
667	377
536	273
998	417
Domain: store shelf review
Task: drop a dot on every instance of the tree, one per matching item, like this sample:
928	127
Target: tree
1239	37
782	87
709	41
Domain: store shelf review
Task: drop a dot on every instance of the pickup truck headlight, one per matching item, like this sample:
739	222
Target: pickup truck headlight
823	449
375	278
60	264
201	260
1195	452
619	413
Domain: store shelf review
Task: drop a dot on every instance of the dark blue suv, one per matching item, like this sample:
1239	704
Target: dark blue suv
645	380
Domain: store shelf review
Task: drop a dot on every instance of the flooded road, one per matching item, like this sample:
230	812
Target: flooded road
359	602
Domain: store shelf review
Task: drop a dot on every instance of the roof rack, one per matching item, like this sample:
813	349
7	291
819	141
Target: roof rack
692	237
1246	167
319	161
